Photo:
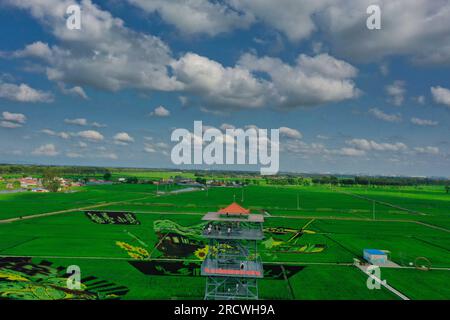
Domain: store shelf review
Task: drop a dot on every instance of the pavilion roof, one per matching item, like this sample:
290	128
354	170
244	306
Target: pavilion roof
234	208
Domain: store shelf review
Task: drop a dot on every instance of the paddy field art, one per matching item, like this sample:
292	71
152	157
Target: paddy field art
131	242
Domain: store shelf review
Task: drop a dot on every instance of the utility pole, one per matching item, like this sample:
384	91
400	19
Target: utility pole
242	198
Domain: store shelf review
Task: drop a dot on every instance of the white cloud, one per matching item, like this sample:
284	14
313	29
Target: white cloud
418	29
14	117
197	16
367	145
123	138
9	124
290	133
311	81
23	93
160	112
83	122
79	121
219	85
46	150
74	91
105	54
63	135
292	17
441	95
91	135
350	152
37	49
427	150
379	114
424	122
396	92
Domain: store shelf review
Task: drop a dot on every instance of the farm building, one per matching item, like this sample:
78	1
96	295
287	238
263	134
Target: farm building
375	256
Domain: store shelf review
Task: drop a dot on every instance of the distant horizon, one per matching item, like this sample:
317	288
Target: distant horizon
255	172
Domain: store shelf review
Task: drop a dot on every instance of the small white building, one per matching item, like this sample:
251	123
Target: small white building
375	256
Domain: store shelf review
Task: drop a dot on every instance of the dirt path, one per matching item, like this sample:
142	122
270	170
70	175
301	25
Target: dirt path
383	283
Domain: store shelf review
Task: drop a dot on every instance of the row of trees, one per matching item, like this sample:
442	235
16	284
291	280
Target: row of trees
59	170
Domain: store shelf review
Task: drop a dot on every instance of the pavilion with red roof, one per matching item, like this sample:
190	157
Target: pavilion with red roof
234	209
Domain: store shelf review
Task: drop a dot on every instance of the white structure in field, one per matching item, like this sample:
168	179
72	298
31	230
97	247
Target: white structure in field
375	256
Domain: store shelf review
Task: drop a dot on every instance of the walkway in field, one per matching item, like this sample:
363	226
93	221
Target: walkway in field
380	202
383	283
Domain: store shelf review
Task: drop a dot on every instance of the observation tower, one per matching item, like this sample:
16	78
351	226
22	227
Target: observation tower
232	265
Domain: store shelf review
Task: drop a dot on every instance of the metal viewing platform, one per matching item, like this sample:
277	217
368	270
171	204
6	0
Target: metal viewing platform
232	264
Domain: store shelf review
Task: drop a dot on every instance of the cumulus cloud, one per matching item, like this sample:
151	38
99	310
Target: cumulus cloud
160	112
74	91
197	16
11	120
418	29
290	133
302	148
350	152
379	114
62	134
292	17
441	95
14	117
368	145
123	138
48	150
83	122
427	150
91	135
219	85
105	54
79	121
311	81
396	92
9	124
23	93
424	122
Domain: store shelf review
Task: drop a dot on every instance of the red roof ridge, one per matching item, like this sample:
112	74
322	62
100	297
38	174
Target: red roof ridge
234	208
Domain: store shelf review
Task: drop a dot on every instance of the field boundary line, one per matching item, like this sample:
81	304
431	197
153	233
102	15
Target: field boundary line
380	202
291	291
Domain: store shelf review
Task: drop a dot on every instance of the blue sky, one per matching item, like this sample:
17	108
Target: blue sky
349	99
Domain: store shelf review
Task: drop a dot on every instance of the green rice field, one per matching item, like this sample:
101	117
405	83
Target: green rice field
149	260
